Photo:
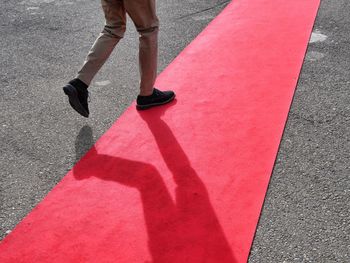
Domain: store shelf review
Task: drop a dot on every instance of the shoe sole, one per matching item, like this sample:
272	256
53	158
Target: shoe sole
147	106
72	94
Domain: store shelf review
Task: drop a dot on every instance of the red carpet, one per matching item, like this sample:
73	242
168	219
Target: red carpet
185	182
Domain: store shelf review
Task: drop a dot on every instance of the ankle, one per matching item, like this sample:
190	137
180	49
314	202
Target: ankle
146	93
78	84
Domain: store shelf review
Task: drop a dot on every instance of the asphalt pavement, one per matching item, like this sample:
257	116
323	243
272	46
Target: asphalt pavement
44	42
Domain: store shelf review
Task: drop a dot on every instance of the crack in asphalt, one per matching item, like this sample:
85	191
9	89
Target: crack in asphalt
314	121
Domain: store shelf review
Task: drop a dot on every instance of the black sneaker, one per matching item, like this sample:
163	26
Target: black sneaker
78	97
157	98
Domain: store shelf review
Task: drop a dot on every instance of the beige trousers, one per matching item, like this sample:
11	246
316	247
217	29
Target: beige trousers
143	14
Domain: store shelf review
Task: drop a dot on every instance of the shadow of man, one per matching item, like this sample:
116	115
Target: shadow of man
83	142
186	230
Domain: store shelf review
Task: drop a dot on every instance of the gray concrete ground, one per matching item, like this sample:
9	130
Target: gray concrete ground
43	43
306	217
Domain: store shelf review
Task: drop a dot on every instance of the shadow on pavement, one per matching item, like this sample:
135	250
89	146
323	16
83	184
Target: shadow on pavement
83	142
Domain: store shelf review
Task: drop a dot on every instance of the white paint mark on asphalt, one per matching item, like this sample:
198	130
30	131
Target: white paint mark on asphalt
33	8
64	3
314	56
103	83
202	17
317	37
41	1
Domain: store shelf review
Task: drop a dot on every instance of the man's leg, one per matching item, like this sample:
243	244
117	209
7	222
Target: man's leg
143	14
113	31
